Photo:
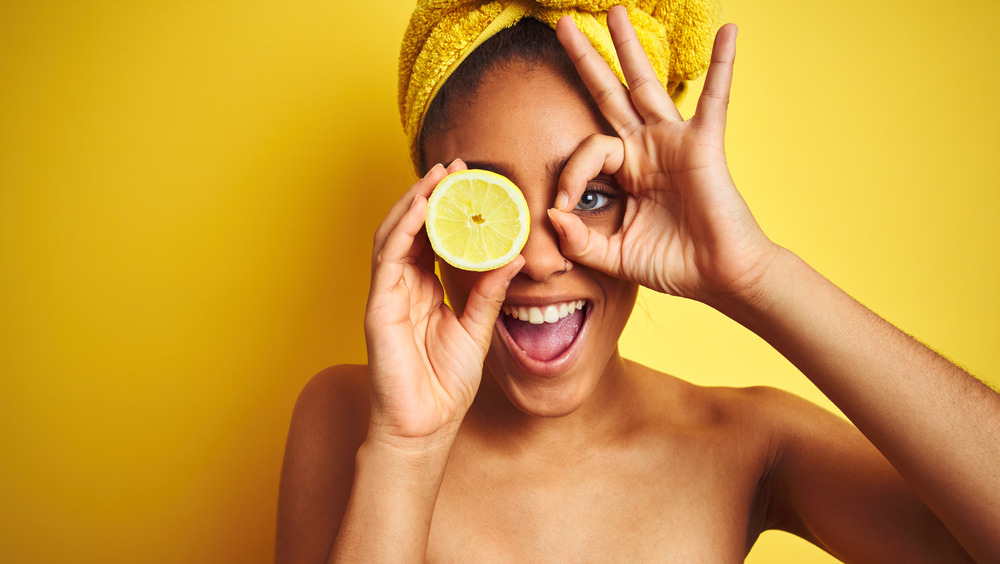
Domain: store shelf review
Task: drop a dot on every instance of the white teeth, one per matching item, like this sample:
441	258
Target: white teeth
546	314
535	316
551	314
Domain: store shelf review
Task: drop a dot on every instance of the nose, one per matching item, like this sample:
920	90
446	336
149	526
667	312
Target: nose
541	252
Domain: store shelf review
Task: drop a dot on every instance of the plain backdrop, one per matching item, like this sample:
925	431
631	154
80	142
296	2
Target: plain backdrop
188	192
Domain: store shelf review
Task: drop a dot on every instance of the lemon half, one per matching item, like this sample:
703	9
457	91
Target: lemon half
477	220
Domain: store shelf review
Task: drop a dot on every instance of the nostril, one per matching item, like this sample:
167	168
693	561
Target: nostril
542	256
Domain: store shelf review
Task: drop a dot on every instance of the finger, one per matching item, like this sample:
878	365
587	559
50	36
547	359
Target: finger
421	251
485	299
456	165
597	154
610	94
584	245
422	187
649	96
714	99
387	268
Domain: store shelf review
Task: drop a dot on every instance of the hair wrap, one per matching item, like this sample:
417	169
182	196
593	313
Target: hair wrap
677	36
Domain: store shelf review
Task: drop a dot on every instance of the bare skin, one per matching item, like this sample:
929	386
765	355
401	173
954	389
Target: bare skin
450	446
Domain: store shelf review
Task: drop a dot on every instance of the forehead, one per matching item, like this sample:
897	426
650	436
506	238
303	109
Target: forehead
522	120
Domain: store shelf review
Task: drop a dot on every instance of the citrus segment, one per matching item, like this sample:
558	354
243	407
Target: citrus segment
477	220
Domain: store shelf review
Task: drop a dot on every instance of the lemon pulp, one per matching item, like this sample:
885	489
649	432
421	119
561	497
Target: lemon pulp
477	220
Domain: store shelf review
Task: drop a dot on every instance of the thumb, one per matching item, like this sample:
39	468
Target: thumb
584	245
485	300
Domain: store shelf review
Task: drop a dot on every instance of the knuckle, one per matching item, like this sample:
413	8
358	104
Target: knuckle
604	95
643	81
624	43
630	129
595	141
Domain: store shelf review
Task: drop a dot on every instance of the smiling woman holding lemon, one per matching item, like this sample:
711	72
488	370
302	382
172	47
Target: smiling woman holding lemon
505	425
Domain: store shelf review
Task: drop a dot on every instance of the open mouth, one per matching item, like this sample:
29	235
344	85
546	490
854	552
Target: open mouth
544	333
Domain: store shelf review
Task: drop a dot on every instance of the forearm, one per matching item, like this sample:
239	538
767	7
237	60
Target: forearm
388	517
936	424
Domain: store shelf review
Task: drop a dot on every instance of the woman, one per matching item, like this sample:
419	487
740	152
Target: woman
472	437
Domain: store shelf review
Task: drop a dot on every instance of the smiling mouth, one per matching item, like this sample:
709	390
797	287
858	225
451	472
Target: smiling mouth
544	333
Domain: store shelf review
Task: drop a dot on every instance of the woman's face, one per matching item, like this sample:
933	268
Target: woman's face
524	122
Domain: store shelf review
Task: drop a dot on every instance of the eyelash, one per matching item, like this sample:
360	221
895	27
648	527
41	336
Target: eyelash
609	194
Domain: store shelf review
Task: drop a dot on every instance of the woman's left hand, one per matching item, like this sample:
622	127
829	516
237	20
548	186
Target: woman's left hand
686	229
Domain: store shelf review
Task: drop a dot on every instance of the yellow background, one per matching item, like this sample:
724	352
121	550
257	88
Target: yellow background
187	196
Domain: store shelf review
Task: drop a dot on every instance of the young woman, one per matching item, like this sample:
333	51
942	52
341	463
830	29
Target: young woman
473	437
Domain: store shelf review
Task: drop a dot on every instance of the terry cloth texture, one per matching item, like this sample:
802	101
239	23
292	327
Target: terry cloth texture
676	34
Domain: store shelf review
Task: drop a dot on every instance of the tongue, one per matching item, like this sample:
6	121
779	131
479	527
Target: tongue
547	340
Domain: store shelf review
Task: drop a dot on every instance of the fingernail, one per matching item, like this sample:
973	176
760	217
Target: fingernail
513	272
555	224
431	170
561	200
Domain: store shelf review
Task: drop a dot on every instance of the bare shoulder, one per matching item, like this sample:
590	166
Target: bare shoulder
825	482
756	409
337	396
780	412
328	425
331	413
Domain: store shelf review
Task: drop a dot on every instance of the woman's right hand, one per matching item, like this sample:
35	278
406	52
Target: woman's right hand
425	363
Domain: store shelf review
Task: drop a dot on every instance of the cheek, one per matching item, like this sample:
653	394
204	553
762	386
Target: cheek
621	296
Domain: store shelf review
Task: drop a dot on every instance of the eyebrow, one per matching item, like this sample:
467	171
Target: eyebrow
498	168
553	168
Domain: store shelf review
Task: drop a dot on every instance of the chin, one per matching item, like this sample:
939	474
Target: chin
547	399
548	395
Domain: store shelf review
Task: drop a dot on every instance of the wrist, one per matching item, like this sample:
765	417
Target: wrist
756	287
415	451
758	290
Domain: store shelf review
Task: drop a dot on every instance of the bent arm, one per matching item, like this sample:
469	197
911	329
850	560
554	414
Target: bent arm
937	425
425	366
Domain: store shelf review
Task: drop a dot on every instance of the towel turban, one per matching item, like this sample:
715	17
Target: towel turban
676	34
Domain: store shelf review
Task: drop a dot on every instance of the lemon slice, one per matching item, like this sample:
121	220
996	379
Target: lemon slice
477	220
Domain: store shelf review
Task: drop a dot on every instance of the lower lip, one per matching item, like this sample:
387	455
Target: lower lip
552	367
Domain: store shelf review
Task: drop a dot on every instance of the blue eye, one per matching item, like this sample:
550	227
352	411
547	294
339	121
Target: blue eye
592	200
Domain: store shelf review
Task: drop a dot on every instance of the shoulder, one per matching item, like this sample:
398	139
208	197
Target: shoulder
777	415
827	483
747	425
338	394
330	419
329	423
754	409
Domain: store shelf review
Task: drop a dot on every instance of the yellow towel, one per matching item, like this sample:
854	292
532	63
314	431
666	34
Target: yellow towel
676	34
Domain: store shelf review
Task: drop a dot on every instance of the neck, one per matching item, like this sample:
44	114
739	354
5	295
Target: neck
601	416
